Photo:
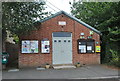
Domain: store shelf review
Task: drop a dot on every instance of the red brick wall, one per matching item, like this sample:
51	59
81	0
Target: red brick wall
45	31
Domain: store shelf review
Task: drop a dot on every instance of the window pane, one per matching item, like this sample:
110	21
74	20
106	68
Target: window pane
81	46
64	40
82	43
59	40
55	40
90	47
68	40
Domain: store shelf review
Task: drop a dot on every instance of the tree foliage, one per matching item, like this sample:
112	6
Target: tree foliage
19	17
104	16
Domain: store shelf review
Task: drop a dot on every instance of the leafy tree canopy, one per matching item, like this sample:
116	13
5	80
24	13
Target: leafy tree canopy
104	16
19	17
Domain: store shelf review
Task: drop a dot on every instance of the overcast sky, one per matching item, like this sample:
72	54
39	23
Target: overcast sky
60	4
65	6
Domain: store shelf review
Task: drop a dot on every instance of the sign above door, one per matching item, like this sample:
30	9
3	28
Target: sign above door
62	23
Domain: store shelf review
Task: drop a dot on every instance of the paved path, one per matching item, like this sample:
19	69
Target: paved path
85	72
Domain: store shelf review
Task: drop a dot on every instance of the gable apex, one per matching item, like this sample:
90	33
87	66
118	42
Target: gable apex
72	17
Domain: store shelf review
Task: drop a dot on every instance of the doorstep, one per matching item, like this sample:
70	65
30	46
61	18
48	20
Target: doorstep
63	66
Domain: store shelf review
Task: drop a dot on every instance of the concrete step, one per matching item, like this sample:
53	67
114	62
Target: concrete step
63	66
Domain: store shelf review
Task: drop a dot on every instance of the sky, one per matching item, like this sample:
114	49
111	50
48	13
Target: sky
57	5
65	6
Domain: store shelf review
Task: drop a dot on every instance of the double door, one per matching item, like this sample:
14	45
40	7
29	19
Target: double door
62	50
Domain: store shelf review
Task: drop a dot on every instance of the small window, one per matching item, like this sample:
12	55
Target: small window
55	40
59	40
64	40
68	40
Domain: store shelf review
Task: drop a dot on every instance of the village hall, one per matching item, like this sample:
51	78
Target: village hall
60	39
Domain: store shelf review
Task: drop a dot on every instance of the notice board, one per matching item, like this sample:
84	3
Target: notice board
29	46
45	46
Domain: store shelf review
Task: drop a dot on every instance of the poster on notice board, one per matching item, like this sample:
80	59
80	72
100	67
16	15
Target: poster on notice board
29	46
45	46
98	49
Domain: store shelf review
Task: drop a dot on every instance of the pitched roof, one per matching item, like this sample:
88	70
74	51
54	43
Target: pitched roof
72	17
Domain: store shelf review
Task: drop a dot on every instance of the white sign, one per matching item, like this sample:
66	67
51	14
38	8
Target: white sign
82	34
62	23
82	48
45	46
89	47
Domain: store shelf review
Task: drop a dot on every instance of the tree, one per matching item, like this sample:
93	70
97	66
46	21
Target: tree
104	16
20	17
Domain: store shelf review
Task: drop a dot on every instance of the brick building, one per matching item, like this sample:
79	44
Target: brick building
60	39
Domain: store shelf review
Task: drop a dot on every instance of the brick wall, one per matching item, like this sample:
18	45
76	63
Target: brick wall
45	31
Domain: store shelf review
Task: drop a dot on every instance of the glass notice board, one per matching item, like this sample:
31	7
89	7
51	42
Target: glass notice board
86	46
29	46
45	46
81	47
